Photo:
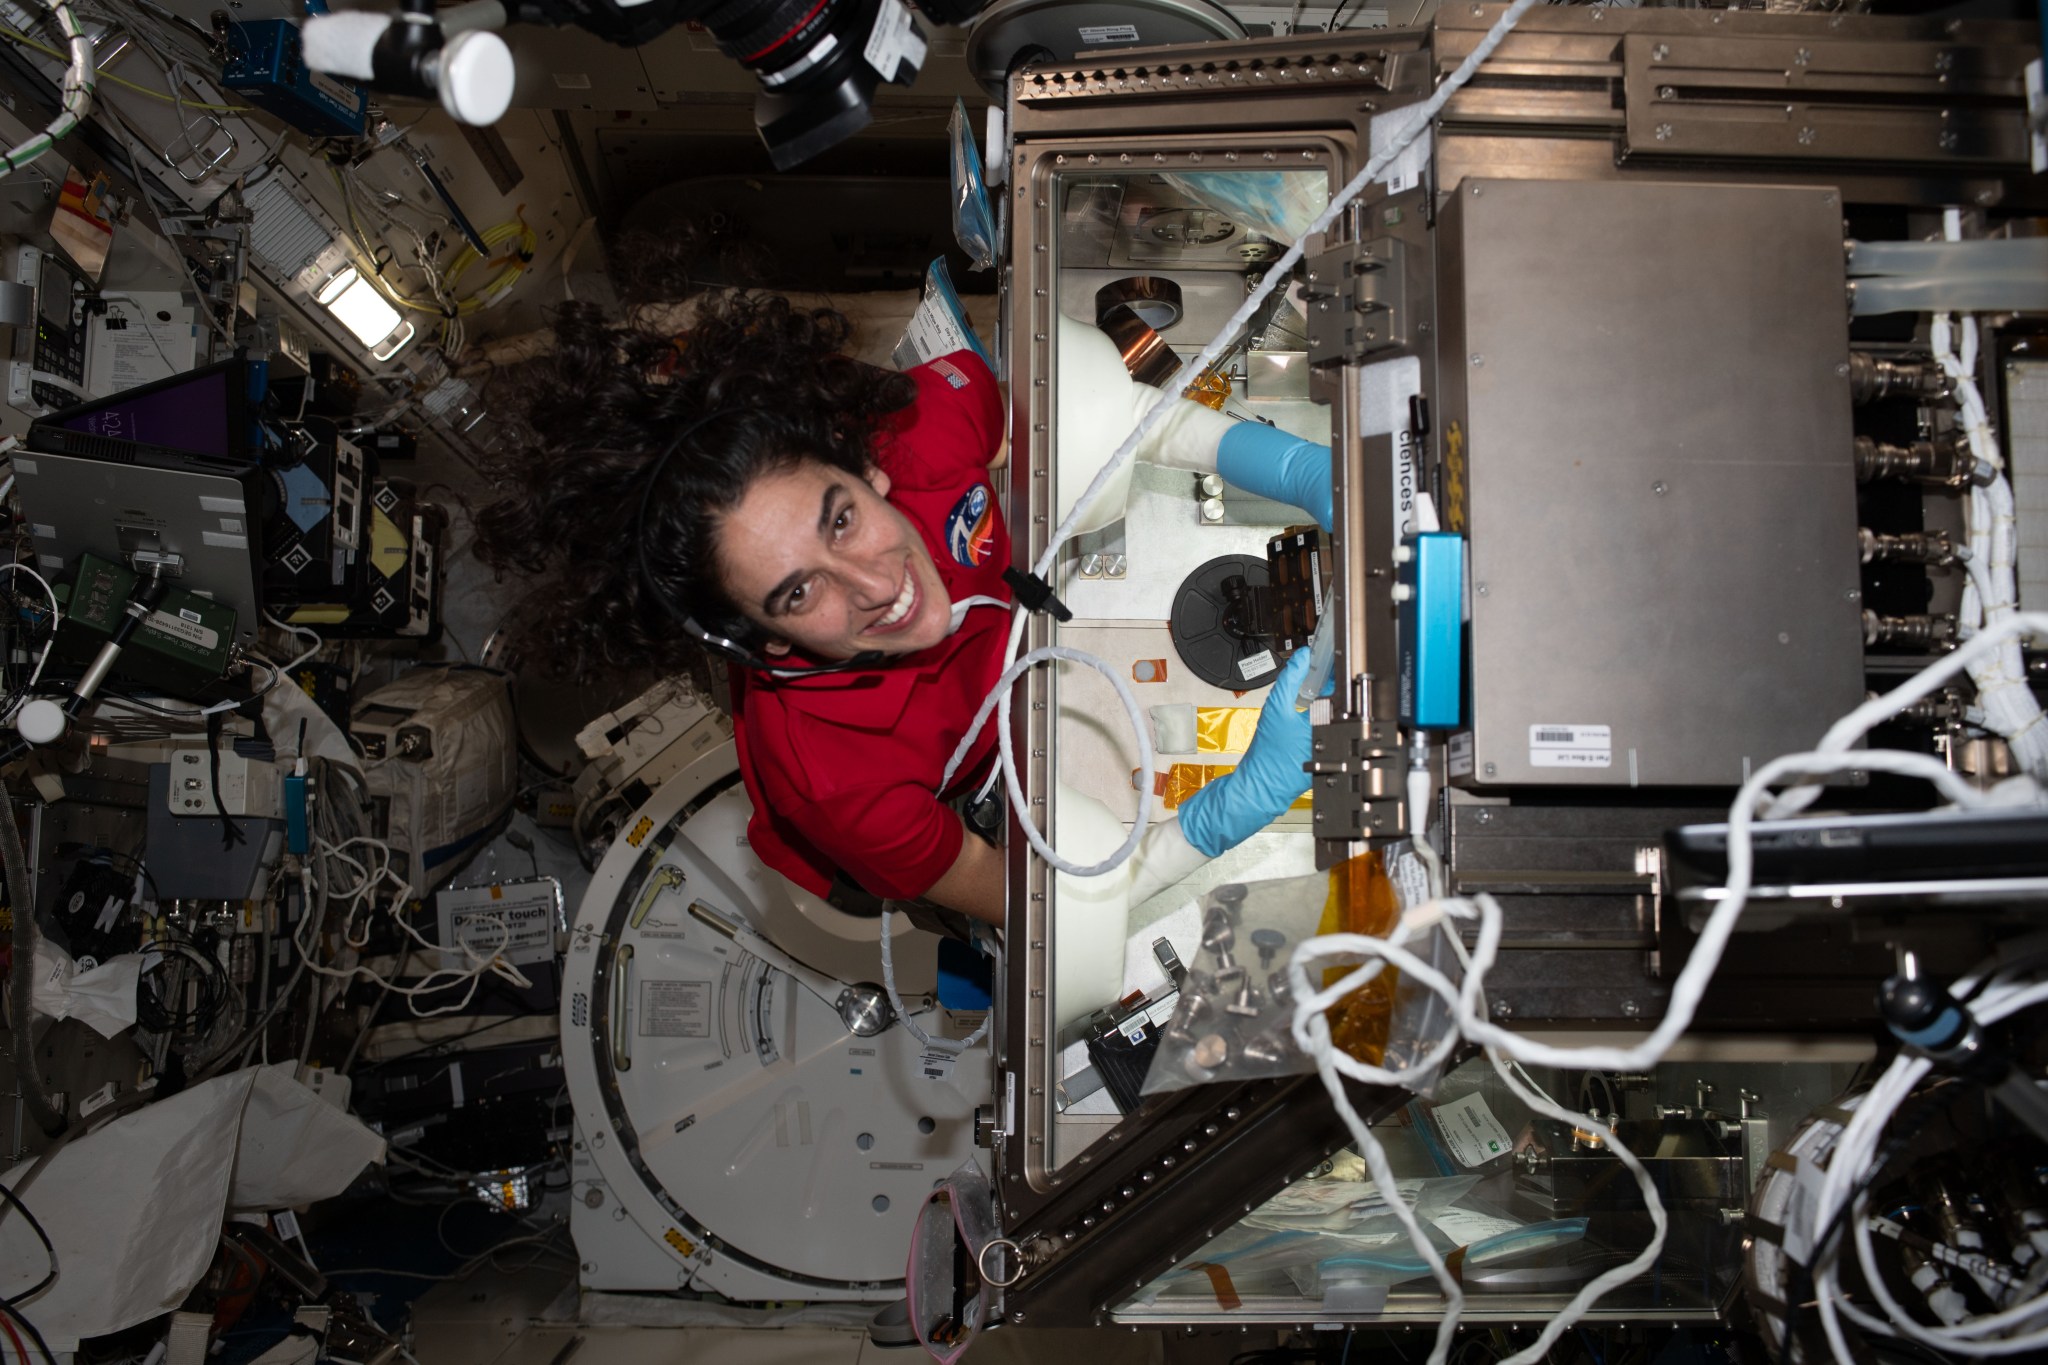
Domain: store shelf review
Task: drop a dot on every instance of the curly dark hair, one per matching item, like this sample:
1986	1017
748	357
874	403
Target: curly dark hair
602	409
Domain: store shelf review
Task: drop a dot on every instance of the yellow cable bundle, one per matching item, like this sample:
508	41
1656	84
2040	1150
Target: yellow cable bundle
515	259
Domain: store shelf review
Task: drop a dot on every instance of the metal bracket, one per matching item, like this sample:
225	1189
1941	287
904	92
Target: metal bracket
1357	297
1358	778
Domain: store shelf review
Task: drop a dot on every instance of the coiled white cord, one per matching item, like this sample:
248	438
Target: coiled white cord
1472	1021
2008	985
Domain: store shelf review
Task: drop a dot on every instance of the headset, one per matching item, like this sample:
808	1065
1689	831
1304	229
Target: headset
720	644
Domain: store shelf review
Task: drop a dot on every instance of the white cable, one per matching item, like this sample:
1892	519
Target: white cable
955	1045
1853	1161
79	78
370	879
1311	1030
1421	117
56	618
999	698
1473	1022
1991	590
300	631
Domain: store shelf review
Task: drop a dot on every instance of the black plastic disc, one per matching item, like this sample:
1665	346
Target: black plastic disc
1206	634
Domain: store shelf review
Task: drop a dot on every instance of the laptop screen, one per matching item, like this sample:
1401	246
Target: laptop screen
193	415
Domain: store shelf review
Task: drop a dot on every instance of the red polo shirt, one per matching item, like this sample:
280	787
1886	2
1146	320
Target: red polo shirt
844	768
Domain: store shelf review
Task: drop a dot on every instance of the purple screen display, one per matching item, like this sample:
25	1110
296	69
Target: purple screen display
191	416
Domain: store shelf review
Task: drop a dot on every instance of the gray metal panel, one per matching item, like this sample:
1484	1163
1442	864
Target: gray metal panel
1656	443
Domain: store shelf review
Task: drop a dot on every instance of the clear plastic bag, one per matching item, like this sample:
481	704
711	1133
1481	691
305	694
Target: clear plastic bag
1325	1237
1236	1009
974	219
1278	204
961	1209
939	326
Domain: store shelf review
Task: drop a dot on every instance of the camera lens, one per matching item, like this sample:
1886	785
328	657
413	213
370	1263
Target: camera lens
819	63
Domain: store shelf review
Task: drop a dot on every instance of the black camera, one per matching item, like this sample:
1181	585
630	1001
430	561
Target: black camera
819	62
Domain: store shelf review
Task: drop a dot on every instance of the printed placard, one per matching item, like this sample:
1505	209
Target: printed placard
1557	745
514	919
894	40
675	1009
1470	1130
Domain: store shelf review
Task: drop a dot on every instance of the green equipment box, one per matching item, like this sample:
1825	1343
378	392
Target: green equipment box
183	646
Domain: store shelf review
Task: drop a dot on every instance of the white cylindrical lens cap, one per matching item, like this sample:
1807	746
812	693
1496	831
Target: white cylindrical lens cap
476	78
341	44
41	721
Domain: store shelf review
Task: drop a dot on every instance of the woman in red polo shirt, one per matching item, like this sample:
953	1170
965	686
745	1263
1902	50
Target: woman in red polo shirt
836	528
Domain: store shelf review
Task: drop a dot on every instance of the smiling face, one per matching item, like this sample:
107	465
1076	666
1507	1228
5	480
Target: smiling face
821	562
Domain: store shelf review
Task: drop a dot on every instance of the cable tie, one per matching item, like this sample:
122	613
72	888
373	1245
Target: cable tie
1035	594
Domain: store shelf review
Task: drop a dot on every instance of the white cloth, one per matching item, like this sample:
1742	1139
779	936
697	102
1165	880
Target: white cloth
135	1208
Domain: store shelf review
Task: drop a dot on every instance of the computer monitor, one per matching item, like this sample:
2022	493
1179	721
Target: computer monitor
166	472
206	413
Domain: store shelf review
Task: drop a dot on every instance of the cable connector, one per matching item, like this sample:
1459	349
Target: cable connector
1035	594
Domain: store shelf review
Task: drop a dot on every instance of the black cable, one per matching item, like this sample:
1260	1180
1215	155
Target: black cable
153	1008
49	1356
21	985
230	832
49	1250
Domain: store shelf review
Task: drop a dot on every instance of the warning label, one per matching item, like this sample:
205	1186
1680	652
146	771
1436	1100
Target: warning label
675	1009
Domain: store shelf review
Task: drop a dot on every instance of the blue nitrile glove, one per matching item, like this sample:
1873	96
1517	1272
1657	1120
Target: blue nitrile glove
1240	803
1270	463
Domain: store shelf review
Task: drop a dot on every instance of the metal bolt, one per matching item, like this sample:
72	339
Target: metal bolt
1842	370
1660	52
1503	1010
1631	1008
1490	770
1802	57
1482	589
1948	142
1476	189
1660	488
1806	136
1667	92
1664	131
1485	817
1854	594
1478	360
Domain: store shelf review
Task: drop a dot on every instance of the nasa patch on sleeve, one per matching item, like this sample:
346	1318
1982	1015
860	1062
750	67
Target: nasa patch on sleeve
971	528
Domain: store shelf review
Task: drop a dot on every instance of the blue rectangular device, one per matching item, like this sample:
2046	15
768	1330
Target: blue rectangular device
1432	630
266	68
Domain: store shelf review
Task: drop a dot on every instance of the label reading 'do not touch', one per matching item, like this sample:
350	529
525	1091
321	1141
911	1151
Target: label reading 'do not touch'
1570	746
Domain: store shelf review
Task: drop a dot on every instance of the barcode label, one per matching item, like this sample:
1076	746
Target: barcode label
1570	746
1255	666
